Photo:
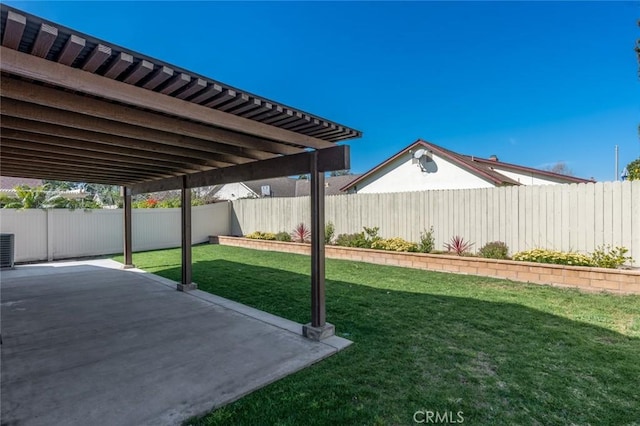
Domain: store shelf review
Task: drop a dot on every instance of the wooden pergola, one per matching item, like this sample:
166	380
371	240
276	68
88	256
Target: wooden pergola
80	109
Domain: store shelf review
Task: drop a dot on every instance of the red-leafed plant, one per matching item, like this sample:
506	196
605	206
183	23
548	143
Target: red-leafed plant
151	203
301	234
458	245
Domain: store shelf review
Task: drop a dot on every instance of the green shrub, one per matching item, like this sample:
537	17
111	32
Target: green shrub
494	250
555	257
361	239
258	235
608	257
371	234
353	240
329	231
170	203
427	241
394	244
283	236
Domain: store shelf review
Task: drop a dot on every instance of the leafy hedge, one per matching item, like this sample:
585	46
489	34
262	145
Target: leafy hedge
257	235
602	257
554	257
394	244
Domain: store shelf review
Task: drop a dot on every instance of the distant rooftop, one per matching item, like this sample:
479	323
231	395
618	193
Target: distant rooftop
482	167
8	182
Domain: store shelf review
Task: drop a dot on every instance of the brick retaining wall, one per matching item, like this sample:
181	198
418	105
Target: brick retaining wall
585	278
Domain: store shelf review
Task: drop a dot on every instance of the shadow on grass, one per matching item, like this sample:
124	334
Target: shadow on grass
498	363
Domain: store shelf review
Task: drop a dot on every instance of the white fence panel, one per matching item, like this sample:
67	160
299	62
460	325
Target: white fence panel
30	229
59	234
212	219
155	229
84	233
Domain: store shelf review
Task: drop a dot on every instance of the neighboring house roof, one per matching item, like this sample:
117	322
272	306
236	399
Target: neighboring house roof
481	167
9	182
332	185
292	187
279	187
523	169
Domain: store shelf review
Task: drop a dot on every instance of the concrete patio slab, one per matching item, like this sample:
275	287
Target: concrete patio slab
89	343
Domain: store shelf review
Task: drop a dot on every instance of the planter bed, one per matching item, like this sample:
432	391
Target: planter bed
583	277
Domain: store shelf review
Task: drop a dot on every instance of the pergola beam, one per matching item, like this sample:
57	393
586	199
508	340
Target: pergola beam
159	140
52	98
31	67
71	50
77	156
44	40
119	65
335	158
85	166
13	30
106	142
61	174
51	144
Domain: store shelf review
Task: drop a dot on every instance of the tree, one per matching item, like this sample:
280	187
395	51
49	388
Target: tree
560	168
106	195
633	170
59	185
43	197
27	198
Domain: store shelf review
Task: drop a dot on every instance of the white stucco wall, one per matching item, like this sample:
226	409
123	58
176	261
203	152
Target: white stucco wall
233	191
525	179
402	175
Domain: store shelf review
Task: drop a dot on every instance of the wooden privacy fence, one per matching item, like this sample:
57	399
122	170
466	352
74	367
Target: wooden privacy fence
576	217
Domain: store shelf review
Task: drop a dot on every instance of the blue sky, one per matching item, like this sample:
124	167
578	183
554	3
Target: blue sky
534	83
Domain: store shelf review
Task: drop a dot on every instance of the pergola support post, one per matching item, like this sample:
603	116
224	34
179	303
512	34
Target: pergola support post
318	328
185	213
128	251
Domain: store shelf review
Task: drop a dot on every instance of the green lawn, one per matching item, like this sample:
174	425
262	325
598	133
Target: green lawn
499	352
